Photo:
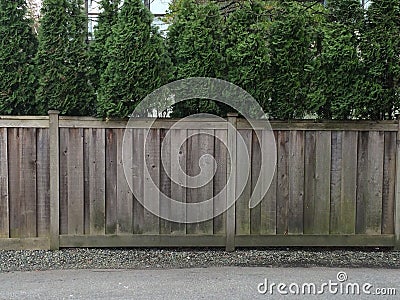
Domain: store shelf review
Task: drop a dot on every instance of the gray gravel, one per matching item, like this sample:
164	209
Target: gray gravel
190	258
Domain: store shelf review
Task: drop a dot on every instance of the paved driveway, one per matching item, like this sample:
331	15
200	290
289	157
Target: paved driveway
201	283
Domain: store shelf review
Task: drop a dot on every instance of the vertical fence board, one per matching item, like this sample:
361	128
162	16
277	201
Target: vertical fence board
28	179
362	182
152	182
43	182
336	181
282	194
255	212
201	143
296	182
111	181
242	204
86	177
4	195
96	162
64	148
138	180
165	181
322	184
268	204
309	186
220	155
124	193
389	176
75	167
22	154
178	190
375	175
348	196
14	154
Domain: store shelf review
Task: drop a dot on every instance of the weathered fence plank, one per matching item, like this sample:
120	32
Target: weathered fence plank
43	183
111	181
389	175
375	181
296	182
152	182
348	195
309	179
243	177
255	155
268	204
64	148
220	180
4	195
138	180
165	181
75	189
96	169
124	193
178	188
282	193
22	187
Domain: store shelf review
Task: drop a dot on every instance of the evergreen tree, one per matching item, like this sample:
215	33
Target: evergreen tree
18	46
138	62
102	33
338	74
292	42
62	59
194	42
380	50
246	49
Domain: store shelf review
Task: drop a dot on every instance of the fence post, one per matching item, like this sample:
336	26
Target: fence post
54	180
231	189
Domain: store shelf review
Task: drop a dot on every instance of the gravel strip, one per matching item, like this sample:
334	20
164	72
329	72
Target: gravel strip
83	258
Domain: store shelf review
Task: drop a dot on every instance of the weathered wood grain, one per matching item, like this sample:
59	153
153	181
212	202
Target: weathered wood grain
220	180
201	143
296	182
111	181
124	193
43	182
268	204
256	159
75	169
389	180
4	194
165	181
243	177
178	188
96	169
152	182
282	193
138	180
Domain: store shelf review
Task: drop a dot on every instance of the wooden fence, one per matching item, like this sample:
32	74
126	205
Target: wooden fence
62	184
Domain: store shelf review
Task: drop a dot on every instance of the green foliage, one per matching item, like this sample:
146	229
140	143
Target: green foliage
380	49
17	50
194	43
246	48
103	32
293	43
137	62
338	76
62	59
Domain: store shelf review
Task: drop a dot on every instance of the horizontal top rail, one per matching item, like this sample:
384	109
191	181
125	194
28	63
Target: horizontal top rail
24	121
196	123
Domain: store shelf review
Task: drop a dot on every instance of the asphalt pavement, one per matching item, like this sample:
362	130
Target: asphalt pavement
203	283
